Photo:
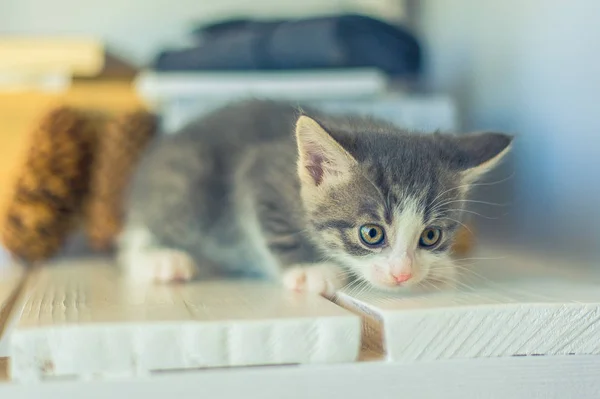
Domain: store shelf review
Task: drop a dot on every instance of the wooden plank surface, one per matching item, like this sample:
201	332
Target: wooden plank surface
10	281
81	320
3	369
504	307
536	377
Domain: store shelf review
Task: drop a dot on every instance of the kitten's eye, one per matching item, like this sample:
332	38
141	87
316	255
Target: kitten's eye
430	237
372	235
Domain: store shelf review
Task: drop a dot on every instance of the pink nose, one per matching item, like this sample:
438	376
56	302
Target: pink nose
400	278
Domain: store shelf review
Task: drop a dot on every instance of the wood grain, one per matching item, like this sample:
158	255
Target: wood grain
10	281
3	369
83	319
505	307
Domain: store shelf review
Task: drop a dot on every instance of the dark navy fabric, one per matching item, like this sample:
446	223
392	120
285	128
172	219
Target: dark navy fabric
349	41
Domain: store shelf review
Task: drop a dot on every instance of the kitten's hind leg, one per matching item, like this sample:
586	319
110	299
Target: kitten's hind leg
321	278
141	259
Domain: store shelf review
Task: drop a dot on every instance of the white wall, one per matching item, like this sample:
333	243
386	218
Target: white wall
531	67
139	28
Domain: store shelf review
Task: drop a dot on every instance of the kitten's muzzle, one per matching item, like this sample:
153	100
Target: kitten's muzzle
401	268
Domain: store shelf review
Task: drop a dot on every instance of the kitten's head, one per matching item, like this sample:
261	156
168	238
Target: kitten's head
386	204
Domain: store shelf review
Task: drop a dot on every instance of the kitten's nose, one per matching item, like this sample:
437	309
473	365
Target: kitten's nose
400	278
401	270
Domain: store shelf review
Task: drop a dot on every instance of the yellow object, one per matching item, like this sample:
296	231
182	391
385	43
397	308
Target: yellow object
41	55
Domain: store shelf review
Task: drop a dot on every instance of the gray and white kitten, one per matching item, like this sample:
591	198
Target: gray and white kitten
259	188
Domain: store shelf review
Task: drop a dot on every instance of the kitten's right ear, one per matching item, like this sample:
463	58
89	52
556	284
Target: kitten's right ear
321	159
481	152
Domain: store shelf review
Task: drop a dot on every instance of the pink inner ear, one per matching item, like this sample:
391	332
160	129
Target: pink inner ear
314	165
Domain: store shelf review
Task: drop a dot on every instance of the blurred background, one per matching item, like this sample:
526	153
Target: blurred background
526	67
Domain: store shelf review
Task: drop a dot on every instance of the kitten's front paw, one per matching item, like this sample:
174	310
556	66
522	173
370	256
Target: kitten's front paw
162	266
324	279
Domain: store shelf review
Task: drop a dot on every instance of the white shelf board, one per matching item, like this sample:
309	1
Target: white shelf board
82	319
231	85
564	377
409	111
505	306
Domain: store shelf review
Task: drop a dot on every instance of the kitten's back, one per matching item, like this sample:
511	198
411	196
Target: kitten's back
240	124
190	187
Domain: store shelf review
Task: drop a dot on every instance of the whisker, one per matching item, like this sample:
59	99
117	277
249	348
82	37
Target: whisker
344	276
469	201
357	288
476	258
350	285
470	289
465	269
471	185
434	286
467	211
459	222
365	289
500	291
437	207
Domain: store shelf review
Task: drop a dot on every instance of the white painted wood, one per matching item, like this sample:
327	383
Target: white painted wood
513	305
424	112
289	85
10	280
560	377
83	320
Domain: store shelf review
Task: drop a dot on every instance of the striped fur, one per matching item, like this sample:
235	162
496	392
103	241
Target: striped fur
260	188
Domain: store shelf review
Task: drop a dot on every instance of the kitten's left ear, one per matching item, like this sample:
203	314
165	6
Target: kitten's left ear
478	153
321	158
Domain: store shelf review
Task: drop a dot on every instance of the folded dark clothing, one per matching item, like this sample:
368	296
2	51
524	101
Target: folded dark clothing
349	41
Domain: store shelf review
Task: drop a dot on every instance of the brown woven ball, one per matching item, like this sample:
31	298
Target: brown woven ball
52	184
119	147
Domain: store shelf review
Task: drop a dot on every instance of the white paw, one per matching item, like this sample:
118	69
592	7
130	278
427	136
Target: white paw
162	265
323	279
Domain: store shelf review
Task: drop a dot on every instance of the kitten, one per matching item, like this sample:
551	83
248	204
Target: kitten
260	189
